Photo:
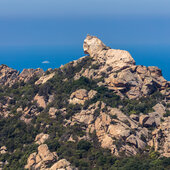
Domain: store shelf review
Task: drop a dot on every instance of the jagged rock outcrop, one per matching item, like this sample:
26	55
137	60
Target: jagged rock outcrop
28	113
81	95
41	138
110	127
40	101
40	159
62	164
43	158
28	74
52	112
121	133
4	111
44	79
161	138
8	75
120	72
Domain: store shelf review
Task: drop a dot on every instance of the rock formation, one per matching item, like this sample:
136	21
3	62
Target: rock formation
44	79
41	138
101	99
7	75
120	72
27	74
81	95
41	159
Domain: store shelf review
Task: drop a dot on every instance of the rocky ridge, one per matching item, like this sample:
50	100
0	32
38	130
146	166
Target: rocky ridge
119	71
103	95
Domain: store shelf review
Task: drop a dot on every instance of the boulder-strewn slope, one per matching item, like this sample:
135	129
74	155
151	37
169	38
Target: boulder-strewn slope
99	112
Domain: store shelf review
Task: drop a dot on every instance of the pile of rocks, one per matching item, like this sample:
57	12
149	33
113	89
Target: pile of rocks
43	158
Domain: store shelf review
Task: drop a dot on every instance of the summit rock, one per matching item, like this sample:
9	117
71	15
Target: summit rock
119	73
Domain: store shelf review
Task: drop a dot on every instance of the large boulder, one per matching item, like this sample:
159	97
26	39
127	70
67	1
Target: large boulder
44	79
62	164
143	119
134	140
92	45
41	138
159	108
161	138
46	160
28	74
81	95
40	101
8	76
40	159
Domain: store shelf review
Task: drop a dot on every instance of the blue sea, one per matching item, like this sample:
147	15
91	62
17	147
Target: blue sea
20	57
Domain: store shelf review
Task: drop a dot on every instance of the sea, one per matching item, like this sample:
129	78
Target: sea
54	56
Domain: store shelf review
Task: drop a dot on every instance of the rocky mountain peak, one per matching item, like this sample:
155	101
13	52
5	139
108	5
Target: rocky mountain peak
118	69
89	113
112	57
93	45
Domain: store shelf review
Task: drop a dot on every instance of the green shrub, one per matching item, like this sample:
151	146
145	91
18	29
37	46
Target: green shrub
83	145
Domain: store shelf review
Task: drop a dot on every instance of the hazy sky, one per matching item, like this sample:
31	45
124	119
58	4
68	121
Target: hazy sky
66	22
79	8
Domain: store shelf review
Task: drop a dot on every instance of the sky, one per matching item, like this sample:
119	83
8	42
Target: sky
58	22
31	28
72	8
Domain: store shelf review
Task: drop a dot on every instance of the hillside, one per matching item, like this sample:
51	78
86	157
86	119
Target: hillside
101	111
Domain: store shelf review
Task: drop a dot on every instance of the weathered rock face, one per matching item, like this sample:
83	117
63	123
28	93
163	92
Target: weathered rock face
40	101
28	74
62	164
28	113
120	72
112	126
44	79
161	138
4	111
81	95
121	133
43	158
92	45
41	138
7	75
